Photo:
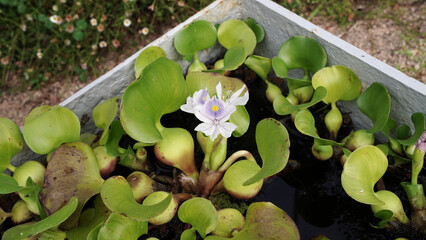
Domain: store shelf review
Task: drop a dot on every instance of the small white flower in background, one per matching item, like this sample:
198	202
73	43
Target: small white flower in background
102	44
78	3
115	43
128	13
94	22
63	1
75	17
67	42
5	60
215	112
84	66
145	31
181	3
55	8
68	18
95	47
29	17
56	19
23	27
127	22
39	55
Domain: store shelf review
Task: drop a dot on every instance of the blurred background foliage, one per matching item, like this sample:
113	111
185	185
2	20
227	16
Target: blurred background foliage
51	40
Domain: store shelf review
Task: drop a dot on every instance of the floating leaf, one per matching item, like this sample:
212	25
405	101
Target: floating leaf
196	36
283	107
302	52
279	67
260	65
256	28
340	81
28	230
103	115
117	195
375	103
200	213
237	175
265	221
418	120
72	171
146	57
241	118
48	127
233	32
11	142
363	168
234	58
273	144
305	123
120	227
160	90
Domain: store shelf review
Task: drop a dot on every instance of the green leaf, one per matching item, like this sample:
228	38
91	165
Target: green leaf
78	35
264	220
112	144
52	234
11	142
28	230
302	52
72	171
256	28
305	123
273	144
385	216
21	7
279	67
283	107
120	227
8	184
260	65
196	36
81	25
233	32
234	58
146	57
375	103
241	118
118	197
237	175
363	168
189	234
160	90
48	127
103	115
200	213
418	120
341	83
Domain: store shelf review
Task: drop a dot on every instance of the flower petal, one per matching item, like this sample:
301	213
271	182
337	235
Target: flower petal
226	129
209	129
235	99
219	91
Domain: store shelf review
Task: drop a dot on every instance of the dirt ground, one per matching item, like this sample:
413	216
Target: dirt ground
395	35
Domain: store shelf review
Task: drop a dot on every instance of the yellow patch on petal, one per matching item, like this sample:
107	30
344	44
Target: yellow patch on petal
215	108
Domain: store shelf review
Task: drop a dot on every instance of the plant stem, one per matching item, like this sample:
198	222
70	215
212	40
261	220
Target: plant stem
417	165
234	157
417	200
207	155
11	168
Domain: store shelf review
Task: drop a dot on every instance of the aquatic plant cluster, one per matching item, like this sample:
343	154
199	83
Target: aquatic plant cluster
82	194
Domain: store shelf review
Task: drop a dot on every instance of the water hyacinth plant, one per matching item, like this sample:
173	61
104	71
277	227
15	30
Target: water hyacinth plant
183	152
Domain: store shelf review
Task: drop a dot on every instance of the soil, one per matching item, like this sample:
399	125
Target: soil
394	35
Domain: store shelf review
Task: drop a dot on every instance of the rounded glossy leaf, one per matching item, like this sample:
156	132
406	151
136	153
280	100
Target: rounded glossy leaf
200	213
48	127
233	33
341	83
120	227
363	168
103	115
11	141
257	29
305	123
303	52
117	195
418	120
147	56
260	65
237	175
28	230
160	90
196	36
375	103
234	58
229	220
273	144
279	67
